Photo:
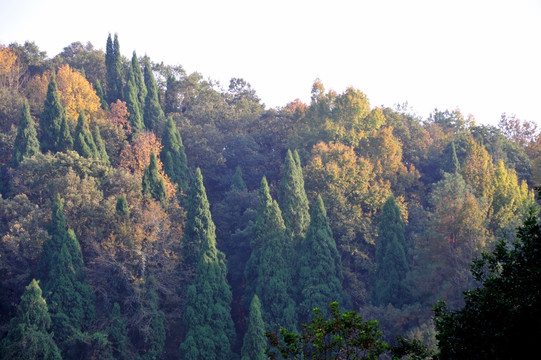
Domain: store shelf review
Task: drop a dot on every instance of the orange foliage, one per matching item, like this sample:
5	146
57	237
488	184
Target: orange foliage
8	67
118	116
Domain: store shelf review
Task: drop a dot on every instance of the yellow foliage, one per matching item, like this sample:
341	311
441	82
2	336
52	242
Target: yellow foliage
76	93
8	66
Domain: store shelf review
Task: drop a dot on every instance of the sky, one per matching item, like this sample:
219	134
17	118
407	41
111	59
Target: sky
481	57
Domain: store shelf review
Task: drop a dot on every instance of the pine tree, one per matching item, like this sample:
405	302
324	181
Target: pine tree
84	142
55	134
29	336
268	272
237	183
122	208
255	341
26	142
113	67
153	182
100	146
139	82
173	156
292	198
153	114
391	263
101	95
118	333
132	104
207	315
320	266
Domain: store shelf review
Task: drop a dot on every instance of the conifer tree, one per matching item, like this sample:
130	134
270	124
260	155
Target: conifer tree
84	142
122	208
391	263
255	341
268	272
101	95
153	182
132	104
118	333
55	134
26	142
292	198
155	337
100	146
237	183
153	114
207	315
113	67
29	336
320	266
173	156
139	82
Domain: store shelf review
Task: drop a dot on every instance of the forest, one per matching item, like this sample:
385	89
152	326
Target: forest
148	213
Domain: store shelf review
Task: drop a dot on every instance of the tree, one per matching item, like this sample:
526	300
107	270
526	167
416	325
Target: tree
207	315
29	336
341	336
154	334
173	157
122	208
391	264
101	95
100	146
132	103
118	333
268	272
139	81
84	141
26	142
55	134
153	114
237	183
113	67
320	266
292	198
501	319
255	342
76	93
153	182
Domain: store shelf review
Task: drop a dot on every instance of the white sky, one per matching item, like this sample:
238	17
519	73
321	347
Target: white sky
483	57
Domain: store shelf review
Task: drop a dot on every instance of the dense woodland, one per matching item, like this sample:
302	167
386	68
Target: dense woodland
147	213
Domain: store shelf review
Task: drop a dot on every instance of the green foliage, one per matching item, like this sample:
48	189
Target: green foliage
139	81
154	335
207	315
84	141
26	143
255	342
292	198
132	104
55	135
342	336
28	336
101	152
122	208
237	183
101	95
153	183
113	67
153	115
269	271
501	319
118	333
173	156
320	266
391	264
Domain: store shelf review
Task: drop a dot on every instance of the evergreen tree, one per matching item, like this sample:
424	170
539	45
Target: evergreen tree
154	338
292	198
29	337
268	272
255	342
320	266
153	114
207	315
113	67
101	95
139	82
237	183
451	164
84	142
153	182
391	263
26	142
100	146
55	134
132	104
173	156
118	333
122	208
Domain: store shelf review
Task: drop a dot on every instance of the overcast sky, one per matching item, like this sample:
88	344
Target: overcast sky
482	57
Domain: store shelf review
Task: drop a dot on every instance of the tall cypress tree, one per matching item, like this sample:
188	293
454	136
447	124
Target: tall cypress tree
153	114
153	182
100	146
292	198
101	95
113	67
173	156
26	142
55	134
268	272
155	336
237	183
84	142
139	82
320	266
391	263
207	315
255	341
132	104
29	336
118	333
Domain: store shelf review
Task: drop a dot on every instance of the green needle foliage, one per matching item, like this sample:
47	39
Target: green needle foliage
118	333
55	135
100	146
255	342
26	142
207	316
132	104
153	114
122	208
101	94
320	266
154	338
29	336
173	156
153	183
268	272
237	183
139	81
113	66
292	198
84	141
